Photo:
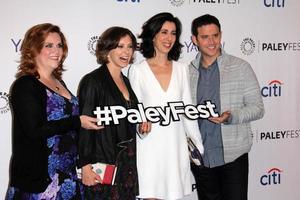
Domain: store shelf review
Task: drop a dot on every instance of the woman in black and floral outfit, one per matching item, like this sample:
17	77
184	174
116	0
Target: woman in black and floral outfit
45	120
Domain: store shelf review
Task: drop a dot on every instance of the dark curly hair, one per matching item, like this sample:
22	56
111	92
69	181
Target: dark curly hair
152	27
32	45
109	40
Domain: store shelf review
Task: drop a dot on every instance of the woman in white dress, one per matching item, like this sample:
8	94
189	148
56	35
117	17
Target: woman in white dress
162	156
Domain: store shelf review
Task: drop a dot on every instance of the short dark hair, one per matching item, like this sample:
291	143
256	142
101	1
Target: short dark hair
109	40
204	20
151	27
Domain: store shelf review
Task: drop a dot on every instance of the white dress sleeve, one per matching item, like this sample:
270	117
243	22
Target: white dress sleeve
190	126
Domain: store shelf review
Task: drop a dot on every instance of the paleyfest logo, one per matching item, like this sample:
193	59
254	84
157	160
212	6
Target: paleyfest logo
247	46
229	2
278	135
92	44
172	111
177	3
4	102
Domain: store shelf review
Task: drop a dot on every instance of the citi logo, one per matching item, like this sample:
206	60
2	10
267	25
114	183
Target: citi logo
133	1
273	89
274	3
273	177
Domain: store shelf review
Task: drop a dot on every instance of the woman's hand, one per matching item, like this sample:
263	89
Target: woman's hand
89	177
199	145
90	123
145	127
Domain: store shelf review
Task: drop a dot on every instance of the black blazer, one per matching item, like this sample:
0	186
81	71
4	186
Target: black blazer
98	89
30	130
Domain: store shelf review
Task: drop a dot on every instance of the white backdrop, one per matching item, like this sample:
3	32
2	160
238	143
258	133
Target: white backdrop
266	33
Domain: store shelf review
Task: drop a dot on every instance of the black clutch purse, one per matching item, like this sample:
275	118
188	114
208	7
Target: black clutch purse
195	154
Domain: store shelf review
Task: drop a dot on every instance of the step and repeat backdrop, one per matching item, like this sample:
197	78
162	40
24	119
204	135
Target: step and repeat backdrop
266	33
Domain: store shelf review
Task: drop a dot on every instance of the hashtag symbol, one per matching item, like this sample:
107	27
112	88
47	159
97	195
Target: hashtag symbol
103	115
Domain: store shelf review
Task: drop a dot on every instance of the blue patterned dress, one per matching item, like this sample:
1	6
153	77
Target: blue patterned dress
62	156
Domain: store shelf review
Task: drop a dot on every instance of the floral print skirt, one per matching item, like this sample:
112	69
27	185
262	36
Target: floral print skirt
68	190
61	159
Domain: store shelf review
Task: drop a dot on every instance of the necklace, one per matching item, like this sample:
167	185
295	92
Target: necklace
53	85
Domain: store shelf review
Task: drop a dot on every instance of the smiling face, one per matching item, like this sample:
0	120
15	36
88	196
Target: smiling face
51	53
164	40
208	41
121	55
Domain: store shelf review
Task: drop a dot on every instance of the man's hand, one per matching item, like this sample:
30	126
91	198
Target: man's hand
221	119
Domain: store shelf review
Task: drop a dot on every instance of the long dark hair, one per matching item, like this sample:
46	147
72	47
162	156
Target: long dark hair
151	27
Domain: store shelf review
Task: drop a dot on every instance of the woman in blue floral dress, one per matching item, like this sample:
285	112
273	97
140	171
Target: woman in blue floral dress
45	121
